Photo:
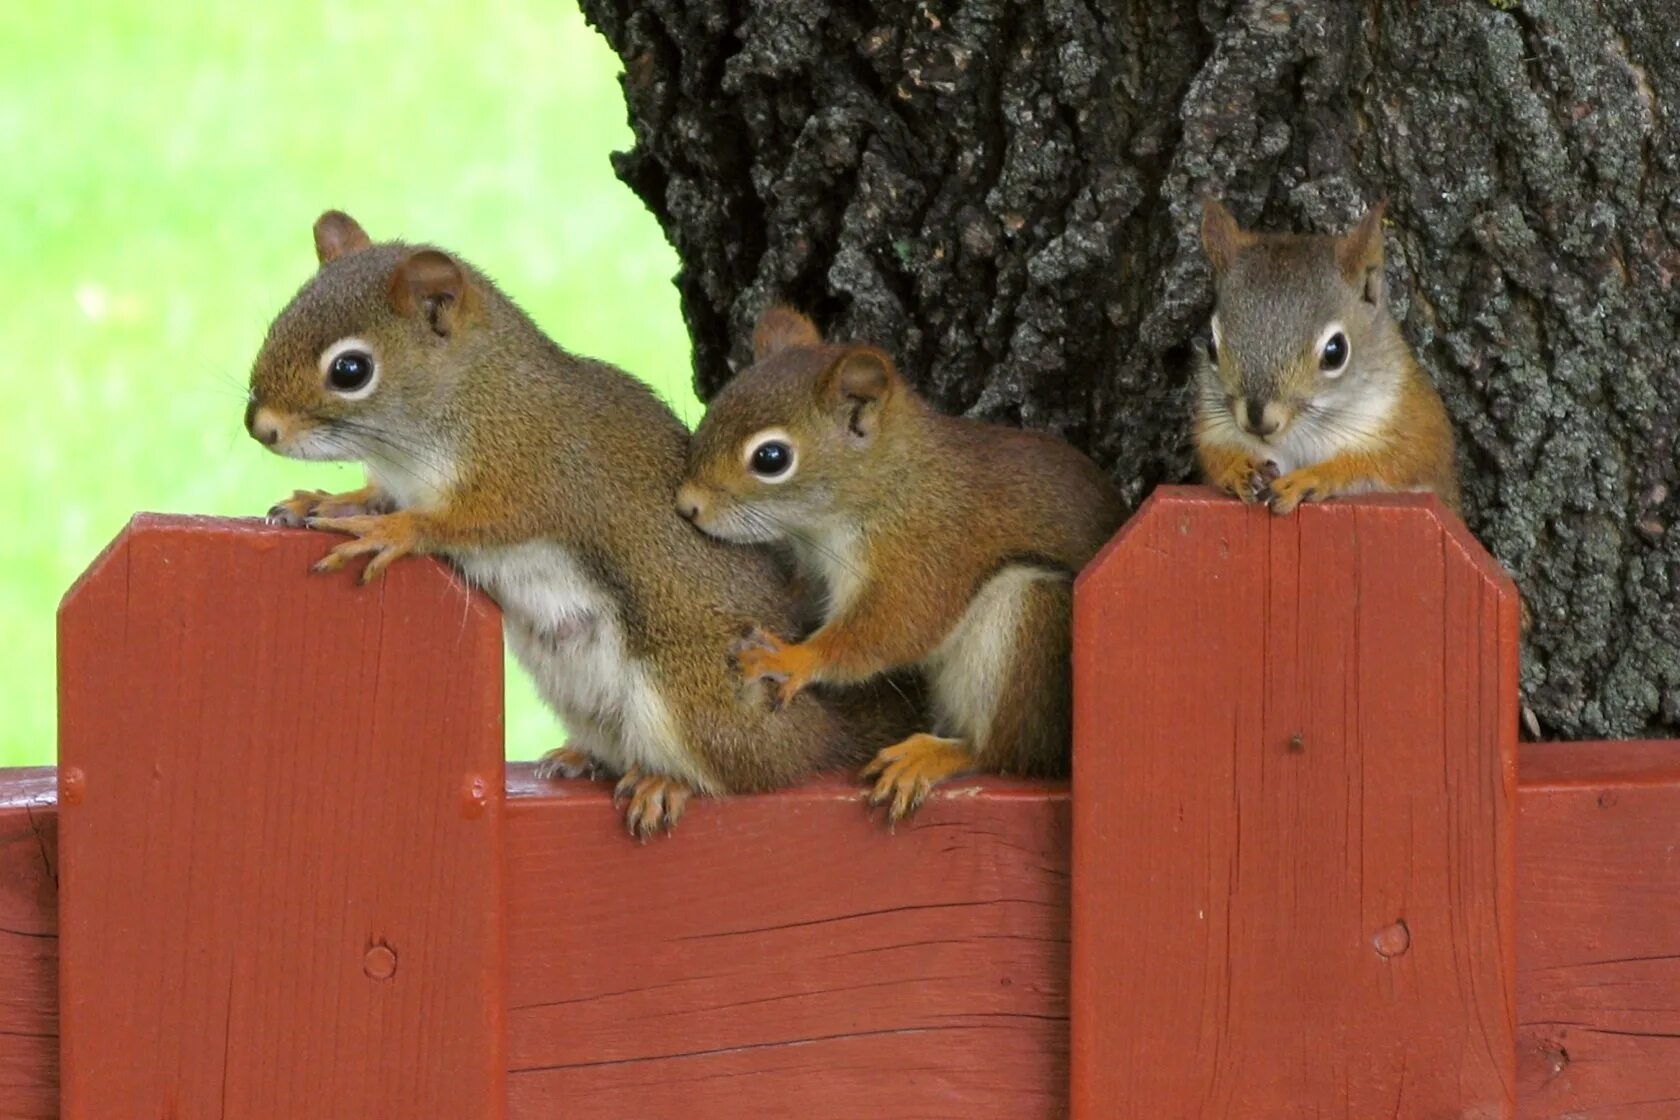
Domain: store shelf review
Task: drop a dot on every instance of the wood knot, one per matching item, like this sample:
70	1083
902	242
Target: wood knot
475	796
1393	940
380	962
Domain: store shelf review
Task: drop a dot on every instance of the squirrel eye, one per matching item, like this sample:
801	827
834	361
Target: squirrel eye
771	458
1334	356
350	371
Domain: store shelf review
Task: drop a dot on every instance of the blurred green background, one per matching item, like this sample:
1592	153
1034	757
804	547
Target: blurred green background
162	167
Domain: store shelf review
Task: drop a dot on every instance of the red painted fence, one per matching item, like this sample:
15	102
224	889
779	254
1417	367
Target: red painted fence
278	873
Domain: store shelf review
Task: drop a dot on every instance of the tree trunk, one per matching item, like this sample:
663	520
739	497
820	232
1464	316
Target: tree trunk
1004	195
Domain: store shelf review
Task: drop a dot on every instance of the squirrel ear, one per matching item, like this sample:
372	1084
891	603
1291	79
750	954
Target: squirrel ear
860	381
781	327
1359	254
430	284
1222	238
336	233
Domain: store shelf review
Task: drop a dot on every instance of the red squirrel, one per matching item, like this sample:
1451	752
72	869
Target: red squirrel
1307	389
941	544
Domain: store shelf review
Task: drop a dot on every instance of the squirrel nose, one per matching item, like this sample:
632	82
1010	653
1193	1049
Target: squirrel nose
262	425
1257	422
688	503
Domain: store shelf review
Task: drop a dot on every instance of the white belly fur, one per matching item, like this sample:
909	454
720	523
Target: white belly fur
564	629
966	674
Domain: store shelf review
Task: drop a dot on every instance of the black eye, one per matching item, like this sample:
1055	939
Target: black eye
771	458
350	371
1212	348
1335	353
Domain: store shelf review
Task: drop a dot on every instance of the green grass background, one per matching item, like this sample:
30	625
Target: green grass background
161	167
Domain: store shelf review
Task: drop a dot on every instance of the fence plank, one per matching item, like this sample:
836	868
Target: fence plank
785	955
280	815
1598	931
1294	783
28	944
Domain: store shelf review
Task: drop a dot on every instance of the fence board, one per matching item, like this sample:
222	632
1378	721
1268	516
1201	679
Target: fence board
1598	938
279	894
28	944
1293	789
785	955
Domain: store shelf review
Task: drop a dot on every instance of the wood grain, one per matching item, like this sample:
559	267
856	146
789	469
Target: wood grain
1598	932
787	955
1294	778
280	883
28	944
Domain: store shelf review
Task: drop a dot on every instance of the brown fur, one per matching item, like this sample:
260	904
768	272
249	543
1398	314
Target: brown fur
507	440
935	509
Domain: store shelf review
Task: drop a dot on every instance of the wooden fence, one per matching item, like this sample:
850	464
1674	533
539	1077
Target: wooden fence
1303	869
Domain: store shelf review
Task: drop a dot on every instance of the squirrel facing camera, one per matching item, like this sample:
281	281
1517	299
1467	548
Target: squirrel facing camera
546	479
940	545
1306	388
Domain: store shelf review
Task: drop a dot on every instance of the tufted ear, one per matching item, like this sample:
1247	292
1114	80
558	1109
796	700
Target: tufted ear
781	327
1222	238
432	286
337	233
1359	254
859	384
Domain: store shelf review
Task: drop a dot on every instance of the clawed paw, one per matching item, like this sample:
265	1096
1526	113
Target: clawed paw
761	656
568	762
655	802
1247	480
383	537
1285	493
905	773
297	511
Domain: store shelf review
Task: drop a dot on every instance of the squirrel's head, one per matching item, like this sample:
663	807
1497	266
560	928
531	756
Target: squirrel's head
780	444
346	364
1299	326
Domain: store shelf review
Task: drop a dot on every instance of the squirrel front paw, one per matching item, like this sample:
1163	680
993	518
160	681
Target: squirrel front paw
1305	485
785	669
656	802
384	537
905	773
1245	478
296	511
568	762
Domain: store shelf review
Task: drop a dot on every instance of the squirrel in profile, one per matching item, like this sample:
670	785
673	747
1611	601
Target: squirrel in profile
546	479
1307	389
940	544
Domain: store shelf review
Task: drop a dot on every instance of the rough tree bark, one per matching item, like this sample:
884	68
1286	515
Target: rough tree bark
1005	195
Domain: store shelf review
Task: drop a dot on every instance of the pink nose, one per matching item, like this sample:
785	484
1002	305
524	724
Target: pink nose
688	502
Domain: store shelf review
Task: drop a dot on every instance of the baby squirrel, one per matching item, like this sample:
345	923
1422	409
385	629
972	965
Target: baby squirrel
546	479
1307	389
943	544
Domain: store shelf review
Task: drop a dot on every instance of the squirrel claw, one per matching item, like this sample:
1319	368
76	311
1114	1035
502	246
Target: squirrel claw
905	773
567	762
297	511
1285	493
761	656
656	802
383	537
